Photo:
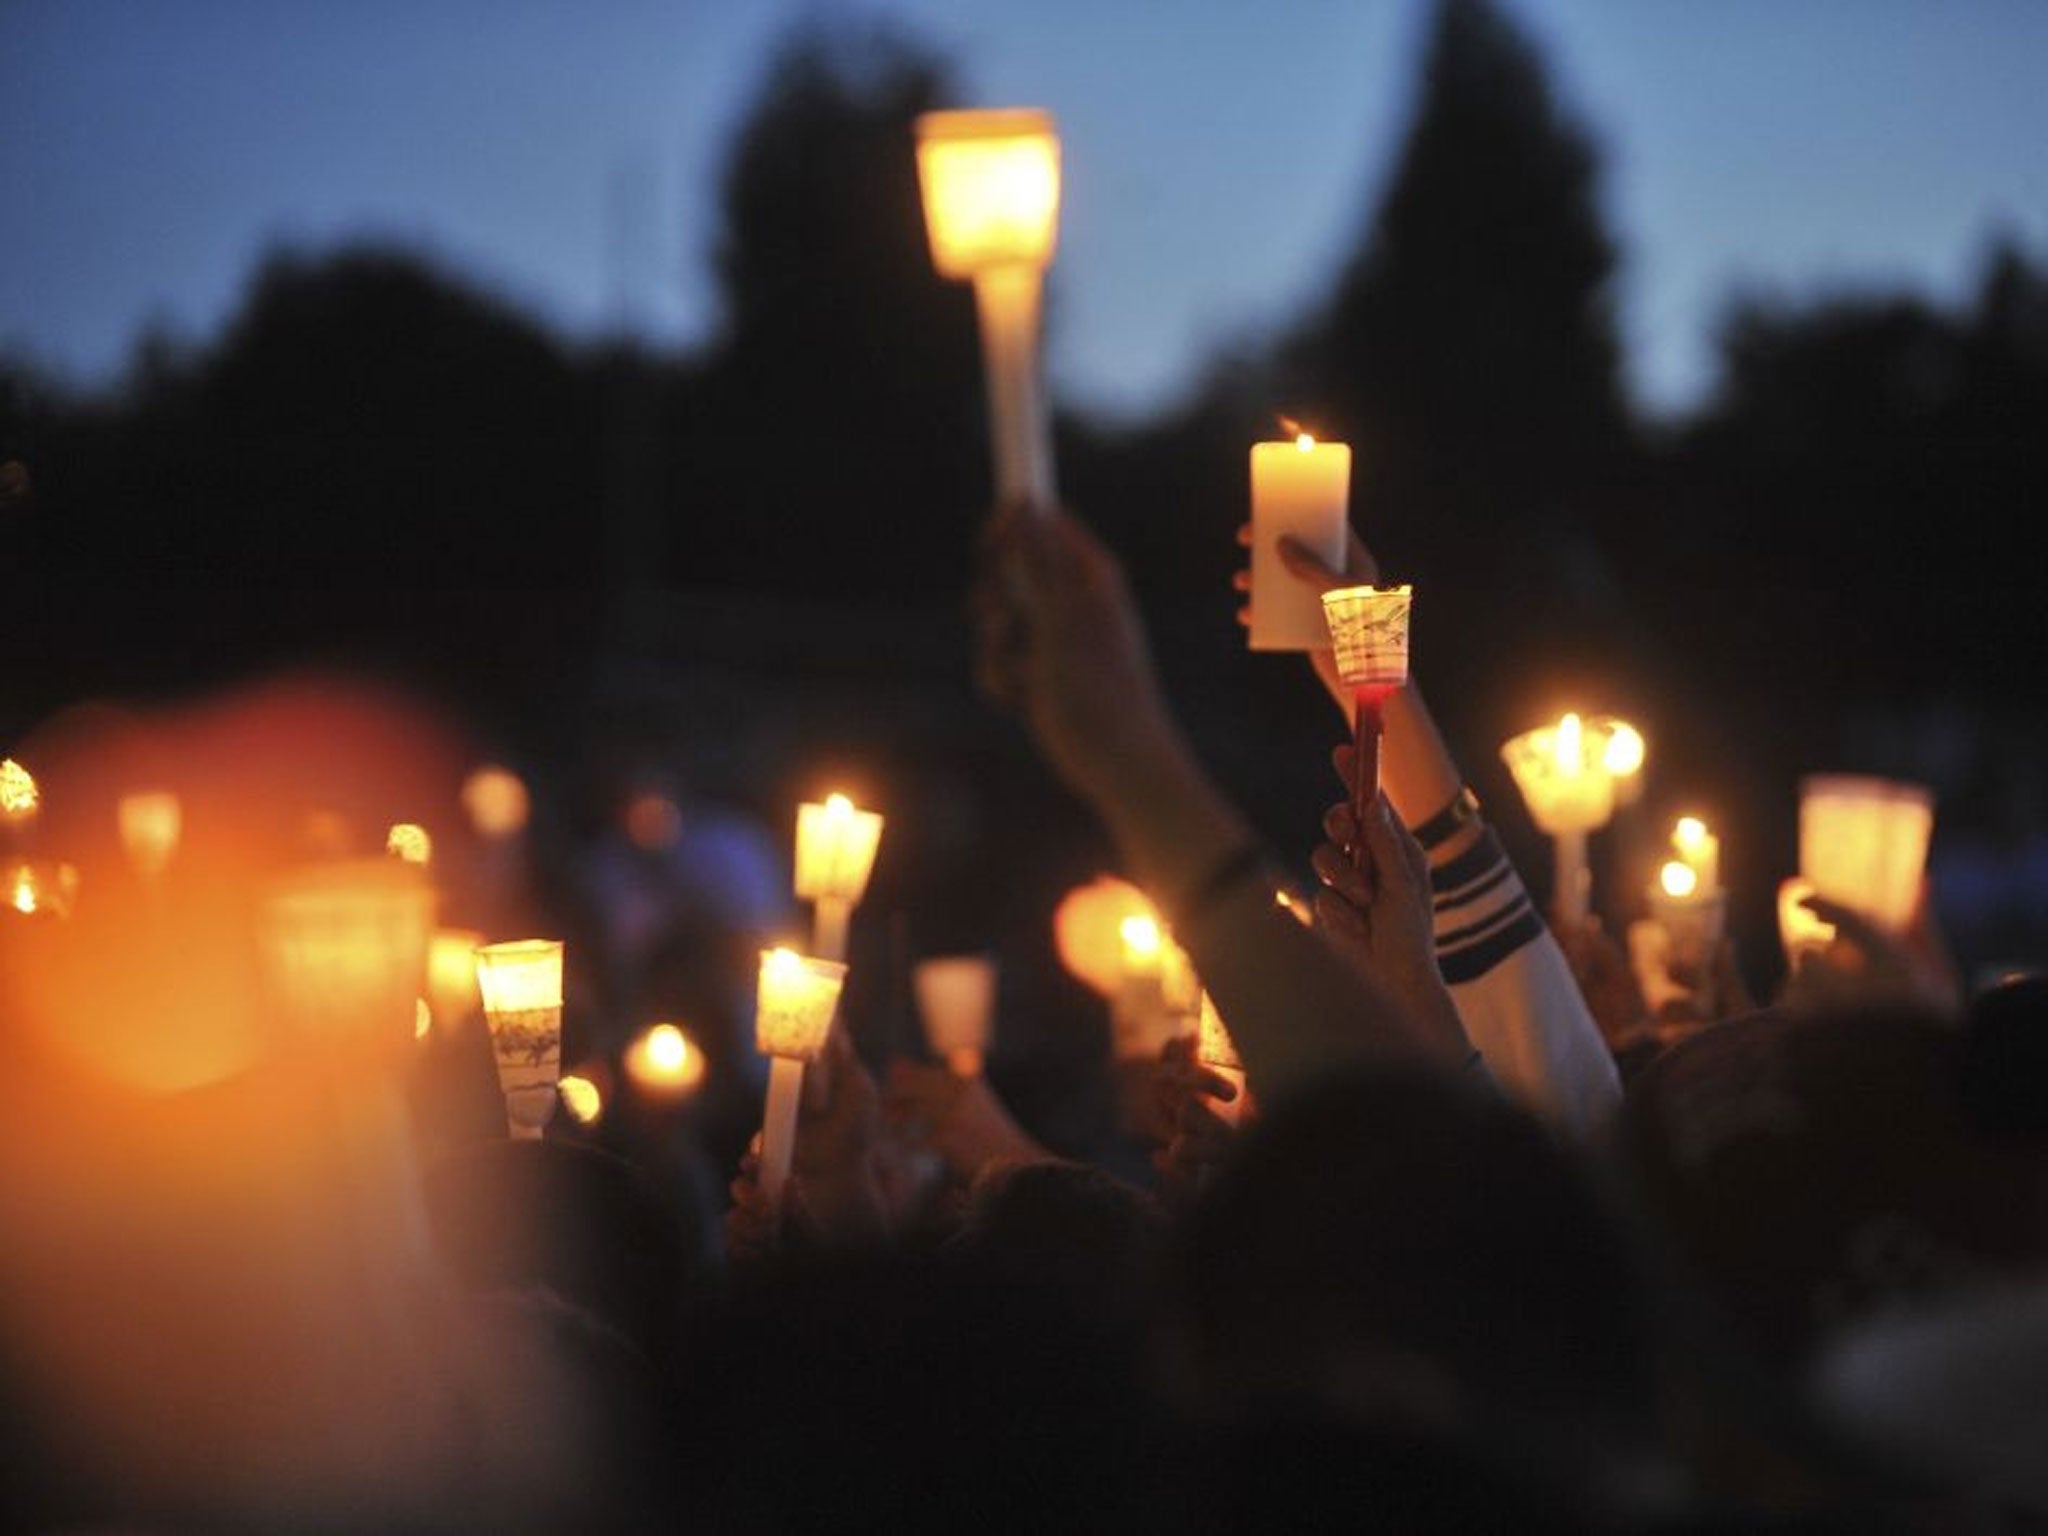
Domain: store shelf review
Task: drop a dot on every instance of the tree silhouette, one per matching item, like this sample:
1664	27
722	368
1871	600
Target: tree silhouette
1469	343
836	440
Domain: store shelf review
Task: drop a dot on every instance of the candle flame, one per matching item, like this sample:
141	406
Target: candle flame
1690	835
580	1094
1678	878
838	806
24	895
665	1060
17	788
1570	745
1140	935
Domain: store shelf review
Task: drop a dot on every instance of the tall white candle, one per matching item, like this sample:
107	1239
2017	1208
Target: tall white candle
1300	490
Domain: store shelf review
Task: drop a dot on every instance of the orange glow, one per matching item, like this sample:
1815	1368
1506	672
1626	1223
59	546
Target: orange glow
422	1018
582	1099
1142	943
18	794
451	973
1678	878
151	823
1690	835
1570	745
496	801
408	840
1087	929
23	897
1301	911
347	944
1562	773
1625	751
665	1061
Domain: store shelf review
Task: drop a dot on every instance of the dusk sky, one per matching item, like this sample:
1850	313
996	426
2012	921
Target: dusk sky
1220	156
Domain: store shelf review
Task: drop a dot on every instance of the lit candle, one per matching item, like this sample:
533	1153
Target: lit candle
151	823
991	186
956	995
1691	913
1700	851
1863	843
1368	632
1218	1052
1565	781
792	1017
1300	490
665	1063
521	985
835	853
1140	1021
1623	757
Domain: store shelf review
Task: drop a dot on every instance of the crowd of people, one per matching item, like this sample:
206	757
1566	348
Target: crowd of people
1476	1241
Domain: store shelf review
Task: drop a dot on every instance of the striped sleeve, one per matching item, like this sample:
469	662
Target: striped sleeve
1482	913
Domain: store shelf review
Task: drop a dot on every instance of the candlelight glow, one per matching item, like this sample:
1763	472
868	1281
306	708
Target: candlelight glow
1301	911
1305	442
1625	751
23	895
1690	835
1087	930
408	840
794	1004
1863	843
422	1018
835	849
664	1060
580	1096
1570	746
1142	942
346	944
1563	774
18	795
991	187
151	823
451	973
496	801
1368	631
1678	878
520	976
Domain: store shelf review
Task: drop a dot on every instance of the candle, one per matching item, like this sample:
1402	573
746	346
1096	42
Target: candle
346	946
1565	781
521	985
991	187
1692	915
956	996
1140	1022
151	823
792	1017
1218	1052
1368	632
1300	490
1863	843
665	1063
1700	852
835	853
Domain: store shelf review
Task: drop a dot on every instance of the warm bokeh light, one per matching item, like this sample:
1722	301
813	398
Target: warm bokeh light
653	822
496	801
18	793
451	974
408	840
1142	942
580	1096
1301	911
665	1061
21	892
794	1003
991	186
1679	879
1863	843
1626	750
151	823
1689	835
521	984
346	944
422	1019
956	997
835	849
1087	929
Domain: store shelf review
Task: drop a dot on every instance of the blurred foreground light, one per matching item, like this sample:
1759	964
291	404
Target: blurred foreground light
152	821
346	945
18	795
408	840
422	1018
451	974
665	1062
496	801
581	1098
1087	929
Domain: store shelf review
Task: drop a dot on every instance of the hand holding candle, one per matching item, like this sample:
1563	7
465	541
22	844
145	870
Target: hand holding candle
991	187
1300	490
521	984
1368	629
793	1014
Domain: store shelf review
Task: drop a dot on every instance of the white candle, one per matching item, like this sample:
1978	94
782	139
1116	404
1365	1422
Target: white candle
792	1017
1863	843
835	854
521	984
956	996
1300	490
991	186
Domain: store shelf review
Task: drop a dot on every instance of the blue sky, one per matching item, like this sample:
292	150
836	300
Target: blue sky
1220	155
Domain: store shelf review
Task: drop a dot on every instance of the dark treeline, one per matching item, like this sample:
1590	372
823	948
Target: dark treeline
375	461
